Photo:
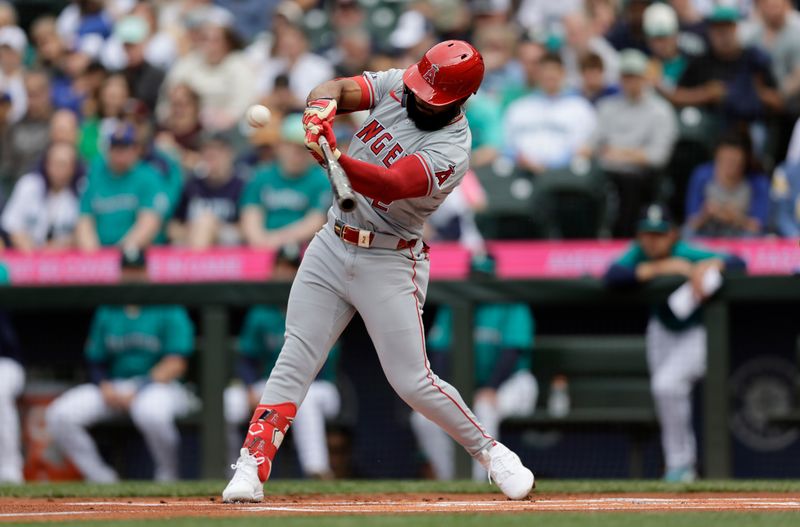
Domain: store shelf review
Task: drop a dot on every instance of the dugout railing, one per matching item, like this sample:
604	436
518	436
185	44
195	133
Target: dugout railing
214	300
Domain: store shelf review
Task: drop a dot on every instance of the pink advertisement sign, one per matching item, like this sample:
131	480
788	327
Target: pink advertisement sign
168	264
449	261
63	267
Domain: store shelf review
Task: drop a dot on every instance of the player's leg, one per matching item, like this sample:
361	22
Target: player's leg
154	410
68	418
389	297
317	313
680	358
308	429
436	445
389	293
12	381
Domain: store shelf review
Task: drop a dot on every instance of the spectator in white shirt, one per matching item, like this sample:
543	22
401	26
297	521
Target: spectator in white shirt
43	208
544	129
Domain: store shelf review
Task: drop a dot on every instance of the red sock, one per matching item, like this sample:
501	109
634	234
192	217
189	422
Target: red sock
268	427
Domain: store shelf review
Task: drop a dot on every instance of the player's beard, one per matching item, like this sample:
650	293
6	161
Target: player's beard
429	123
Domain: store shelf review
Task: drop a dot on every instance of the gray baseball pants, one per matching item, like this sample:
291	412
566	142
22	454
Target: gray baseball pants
387	287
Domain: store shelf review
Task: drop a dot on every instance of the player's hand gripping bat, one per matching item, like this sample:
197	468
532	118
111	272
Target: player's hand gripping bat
342	191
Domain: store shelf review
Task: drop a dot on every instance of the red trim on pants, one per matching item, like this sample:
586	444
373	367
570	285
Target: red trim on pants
425	355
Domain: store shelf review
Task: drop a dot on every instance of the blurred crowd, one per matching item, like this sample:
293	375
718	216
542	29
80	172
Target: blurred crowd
122	120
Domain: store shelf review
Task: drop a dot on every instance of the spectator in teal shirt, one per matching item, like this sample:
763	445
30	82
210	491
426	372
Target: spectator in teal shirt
506	387
124	203
286	202
259	346
136	355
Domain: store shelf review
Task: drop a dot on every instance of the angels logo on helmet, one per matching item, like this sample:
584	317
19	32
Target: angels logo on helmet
430	75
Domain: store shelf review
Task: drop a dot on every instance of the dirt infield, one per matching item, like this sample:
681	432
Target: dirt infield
16	509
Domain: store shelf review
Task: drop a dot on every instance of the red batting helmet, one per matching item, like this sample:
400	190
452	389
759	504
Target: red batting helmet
449	71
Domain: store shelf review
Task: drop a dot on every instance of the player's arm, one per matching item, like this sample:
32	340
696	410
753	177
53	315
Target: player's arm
351	93
86	234
143	231
251	222
154	206
632	268
407	178
338	95
673	266
168	369
301	230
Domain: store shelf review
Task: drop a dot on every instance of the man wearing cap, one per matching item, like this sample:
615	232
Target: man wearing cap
409	154
634	138
285	202
123	204
208	210
259	345
668	47
676	348
733	81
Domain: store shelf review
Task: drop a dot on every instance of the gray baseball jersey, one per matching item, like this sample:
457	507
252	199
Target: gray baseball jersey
386	136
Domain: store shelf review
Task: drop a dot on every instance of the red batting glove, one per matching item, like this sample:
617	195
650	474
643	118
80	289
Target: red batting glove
317	112
312	142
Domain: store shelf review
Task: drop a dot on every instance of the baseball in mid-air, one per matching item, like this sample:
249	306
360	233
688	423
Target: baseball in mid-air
258	115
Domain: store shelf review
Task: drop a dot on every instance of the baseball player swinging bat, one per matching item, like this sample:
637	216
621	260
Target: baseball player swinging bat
342	190
409	154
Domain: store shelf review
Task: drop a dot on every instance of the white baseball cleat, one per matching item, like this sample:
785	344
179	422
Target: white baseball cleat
507	471
244	486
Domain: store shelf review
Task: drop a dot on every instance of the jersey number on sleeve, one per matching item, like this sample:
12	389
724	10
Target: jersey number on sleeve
443	175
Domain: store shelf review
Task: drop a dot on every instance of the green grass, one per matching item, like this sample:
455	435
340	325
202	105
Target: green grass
214	487
699	519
